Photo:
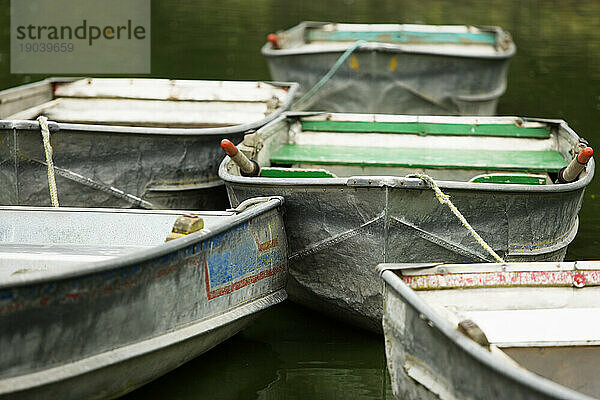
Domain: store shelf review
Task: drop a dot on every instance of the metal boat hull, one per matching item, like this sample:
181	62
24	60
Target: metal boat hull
117	378
340	228
100	329
392	78
376	89
339	233
102	165
429	358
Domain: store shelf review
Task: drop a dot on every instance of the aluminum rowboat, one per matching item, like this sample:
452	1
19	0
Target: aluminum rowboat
401	69
350	206
492	331
150	143
94	303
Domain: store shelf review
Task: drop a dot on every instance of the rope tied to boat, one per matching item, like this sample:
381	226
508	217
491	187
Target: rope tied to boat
445	199
298	104
43	121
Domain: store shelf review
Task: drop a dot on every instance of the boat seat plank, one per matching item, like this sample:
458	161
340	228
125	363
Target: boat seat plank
542	327
148	112
173	90
271	172
510	179
532	161
429	128
403	36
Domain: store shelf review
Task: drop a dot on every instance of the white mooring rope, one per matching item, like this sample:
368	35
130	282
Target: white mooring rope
43	121
445	199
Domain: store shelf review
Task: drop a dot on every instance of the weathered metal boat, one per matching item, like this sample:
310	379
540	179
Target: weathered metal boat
149	143
351	203
94	303
492	331
394	69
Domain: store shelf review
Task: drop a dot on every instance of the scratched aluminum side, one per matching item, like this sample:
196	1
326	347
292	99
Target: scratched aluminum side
101	329
339	229
101	165
428	358
391	78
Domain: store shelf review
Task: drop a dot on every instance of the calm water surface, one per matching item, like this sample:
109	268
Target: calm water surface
291	353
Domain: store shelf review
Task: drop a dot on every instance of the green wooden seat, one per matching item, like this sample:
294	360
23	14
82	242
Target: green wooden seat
273	172
429	128
510	179
506	160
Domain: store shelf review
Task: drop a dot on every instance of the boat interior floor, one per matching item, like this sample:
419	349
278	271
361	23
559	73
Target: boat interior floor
62	237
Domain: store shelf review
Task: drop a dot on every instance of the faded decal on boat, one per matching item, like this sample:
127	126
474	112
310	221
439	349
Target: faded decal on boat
577	278
254	254
96	284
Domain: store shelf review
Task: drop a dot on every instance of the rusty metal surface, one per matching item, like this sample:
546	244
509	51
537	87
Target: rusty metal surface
99	329
428	358
339	229
504	279
392	78
114	166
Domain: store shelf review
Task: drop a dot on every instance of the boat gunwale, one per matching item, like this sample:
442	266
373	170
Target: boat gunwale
267	49
475	351
137	257
54	126
383	181
428	269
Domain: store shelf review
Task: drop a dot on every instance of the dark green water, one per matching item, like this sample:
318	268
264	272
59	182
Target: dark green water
291	353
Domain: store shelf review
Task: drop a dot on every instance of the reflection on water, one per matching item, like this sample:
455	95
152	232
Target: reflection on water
328	383
288	353
236	369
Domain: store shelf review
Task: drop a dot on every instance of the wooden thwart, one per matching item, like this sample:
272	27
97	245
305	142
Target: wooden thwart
272	172
531	161
520	179
430	128
402	36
